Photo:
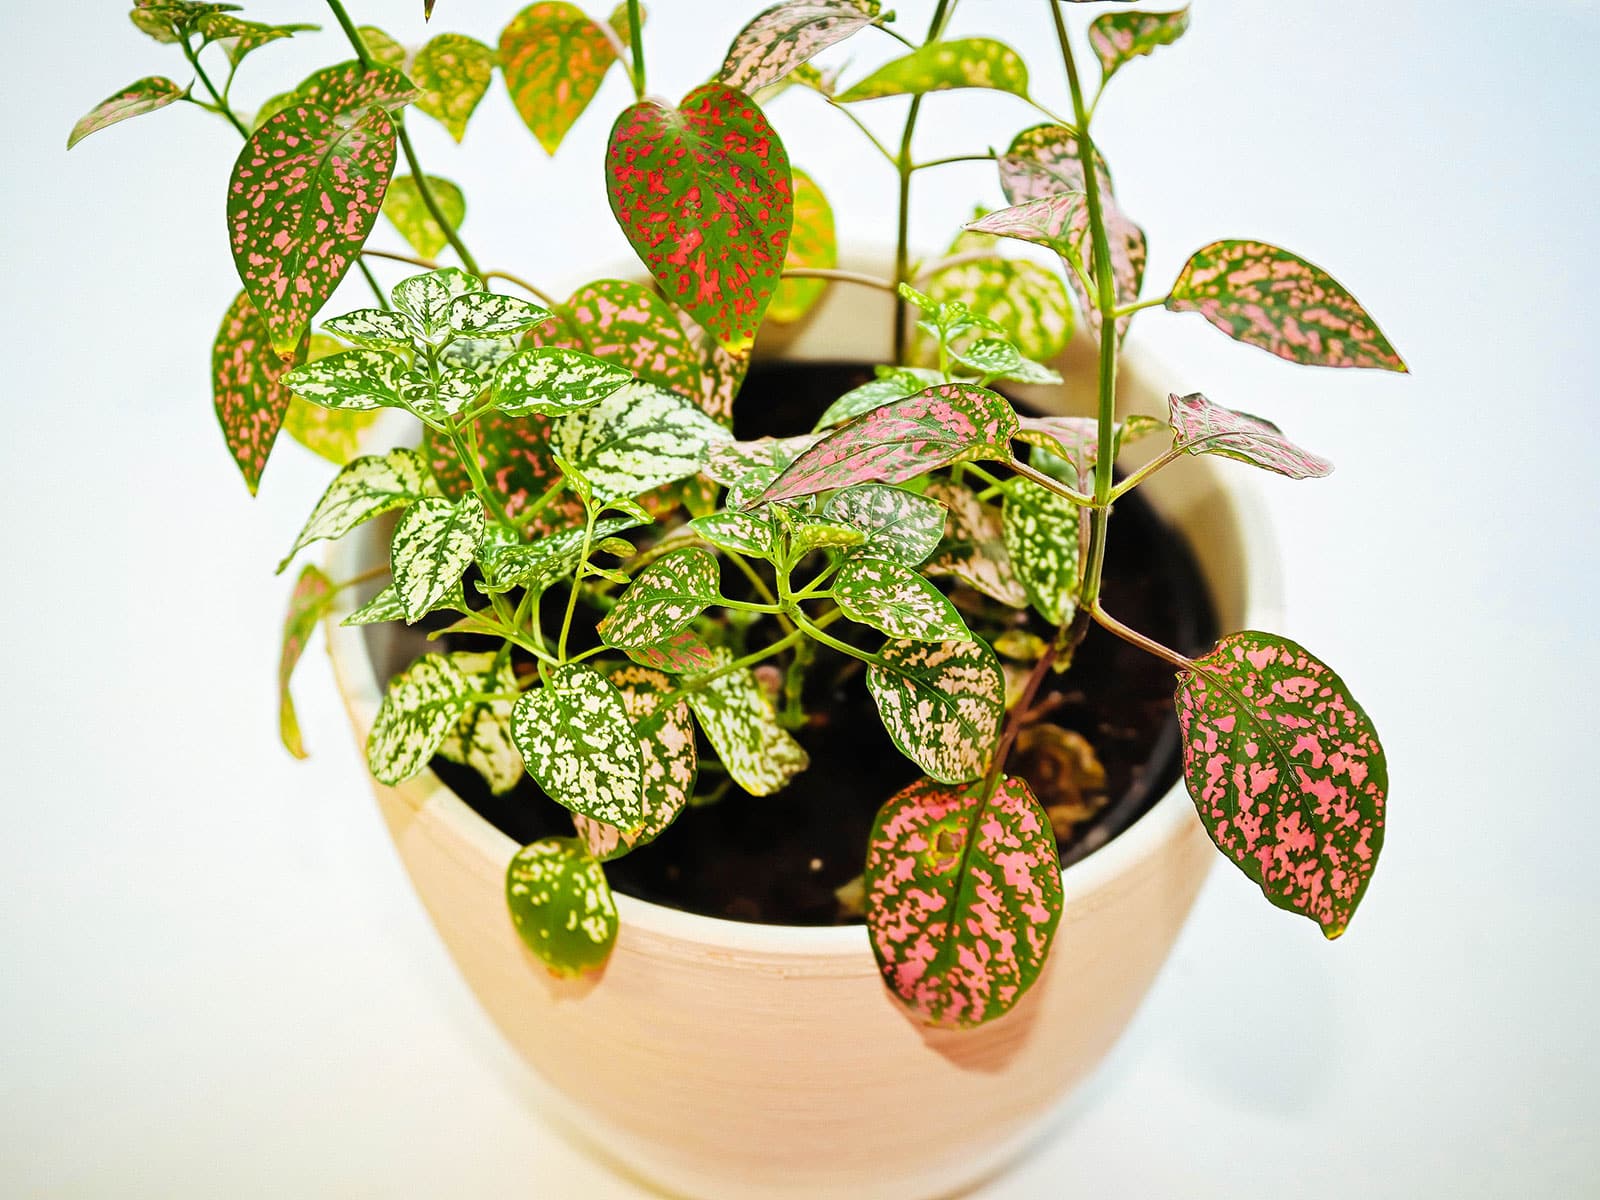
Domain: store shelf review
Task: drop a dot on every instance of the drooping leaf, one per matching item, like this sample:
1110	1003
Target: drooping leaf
1206	428
453	72
702	193
1267	297
308	604
247	388
938	66
481	735
895	599
561	905
667	752
139	97
419	708
681	654
580	746
1028	304
941	703
662	599
536	565
367	487
812	243
899	525
746	469
429	299
974	547
1119	38
303	197
945	424
239	38
353	379
1287	773
434	542
740	532
407	212
963	898
1041	537
761	756
786	35
637	438
554	58
349	90
554	381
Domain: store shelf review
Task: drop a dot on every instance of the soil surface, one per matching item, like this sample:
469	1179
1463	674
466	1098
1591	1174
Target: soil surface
1104	747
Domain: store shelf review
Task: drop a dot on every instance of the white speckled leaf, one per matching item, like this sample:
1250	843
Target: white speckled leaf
554	380
892	383
637	438
740	532
561	905
991	356
580	746
974	548
426	299
486	314
536	565
738	720
441	397
481	736
898	524
895	599
786	35
373	328
418	710
385	606
433	544
1027	302
1041	537
358	379
662	599
941	703
367	487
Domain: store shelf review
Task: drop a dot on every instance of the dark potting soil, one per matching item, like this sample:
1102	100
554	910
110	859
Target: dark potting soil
1103	751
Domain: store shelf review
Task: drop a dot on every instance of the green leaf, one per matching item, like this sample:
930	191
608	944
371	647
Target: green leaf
554	58
703	194
896	600
786	35
975	548
1028	304
580	746
434	542
899	525
738	720
1119	38
536	565
428	299
939	66
385	606
667	754
1287	773
561	905
892	383
239	38
418	711
740	532
963	896
1206	428
304	195
453	73
350	90
440	397
1267	297
488	314
139	97
353	379
808	532
1042	541
663	599
946	424
812	243
408	213
481	736
637	438
308	604
333	434
680	654
553	381
993	357
373	328
941	703
382	47
247	389
746	469
367	487
170	21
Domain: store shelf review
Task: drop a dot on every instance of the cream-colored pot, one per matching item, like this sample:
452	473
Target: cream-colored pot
722	1059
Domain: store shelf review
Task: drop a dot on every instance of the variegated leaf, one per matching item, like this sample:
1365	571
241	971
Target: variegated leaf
354	379
349	90
812	243
702	193
663	599
1043	161
761	756
896	600
629	324
1041	537
302	199
786	35
534	566
991	357
239	38
481	356
809	531
740	532
481	736
333	434
898	524
488	314
1119	38
746	469
139	97
554	58
667	753
580	746
514	455
1025	302
963	896
722	370
385	606
681	654
637	438
1054	222
364	489
434	542
553	381
308	604
975	548
561	905
427	299
381	47
1068	447
439	397
892	383
948	423
453	72
247	388
372	328
408	212
419	708
170	21
938	66
1287	773
1267	297
1206	428
941	703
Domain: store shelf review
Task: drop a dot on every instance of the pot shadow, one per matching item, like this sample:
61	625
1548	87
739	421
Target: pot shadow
560	988
988	1051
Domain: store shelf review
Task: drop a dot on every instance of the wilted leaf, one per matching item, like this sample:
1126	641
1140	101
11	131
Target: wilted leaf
561	905
786	35
452	72
434	542
761	756
309	603
579	745
406	210
961	63
941	703
139	97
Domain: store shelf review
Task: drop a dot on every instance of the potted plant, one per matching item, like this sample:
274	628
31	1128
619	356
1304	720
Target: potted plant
628	596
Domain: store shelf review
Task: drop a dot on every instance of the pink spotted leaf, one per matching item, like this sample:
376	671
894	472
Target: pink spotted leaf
941	703
1206	428
681	654
349	90
139	97
452	73
786	35
974	547
1119	38
554	57
663	599
1054	221
247	388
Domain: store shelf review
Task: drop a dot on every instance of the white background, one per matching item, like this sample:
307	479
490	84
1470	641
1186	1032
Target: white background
214	979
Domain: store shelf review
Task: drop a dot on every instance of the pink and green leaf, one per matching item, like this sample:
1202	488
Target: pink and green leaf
580	746
812	243
452	72
1206	428
896	600
1054	222
940	66
349	90
408	213
974	548
892	383
663	599
786	35
139	97
746	469
681	654
247	388
738	720
514	456
897	524
308	604
561	905
554	58
239	38
1119	38
941	703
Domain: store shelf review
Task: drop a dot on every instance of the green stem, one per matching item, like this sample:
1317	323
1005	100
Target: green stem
1106	621
351	32
1051	484
895	34
988	156
1128	309
526	517
372	282
466	449
636	36
1150	468
699	681
815	632
870	136
577	578
222	105
748	606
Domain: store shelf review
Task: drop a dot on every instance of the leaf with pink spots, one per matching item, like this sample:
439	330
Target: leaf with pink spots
945	424
1287	773
662	599
514	455
1055	222
941	703
348	90
786	35
305	193
702	193
247	388
681	654
1206	428
452	73
974	547
309	603
554	58
1268	297
963	896
628	324
139	97
1119	38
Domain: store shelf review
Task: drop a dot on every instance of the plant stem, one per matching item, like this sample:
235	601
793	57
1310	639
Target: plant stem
1051	484
988	156
222	105
1150	468
351	32
814	631
897	36
425	263
857	122
636	36
467	451
1128	309
577	578
699	681
864	280
543	298
371	573
1106	621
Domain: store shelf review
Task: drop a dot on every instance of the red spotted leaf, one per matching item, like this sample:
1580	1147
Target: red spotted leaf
1287	773
1267	297
963	897
305	193
308	604
1119	38
949	423
247	388
1206	428
782	37
139	97
703	194
554	58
